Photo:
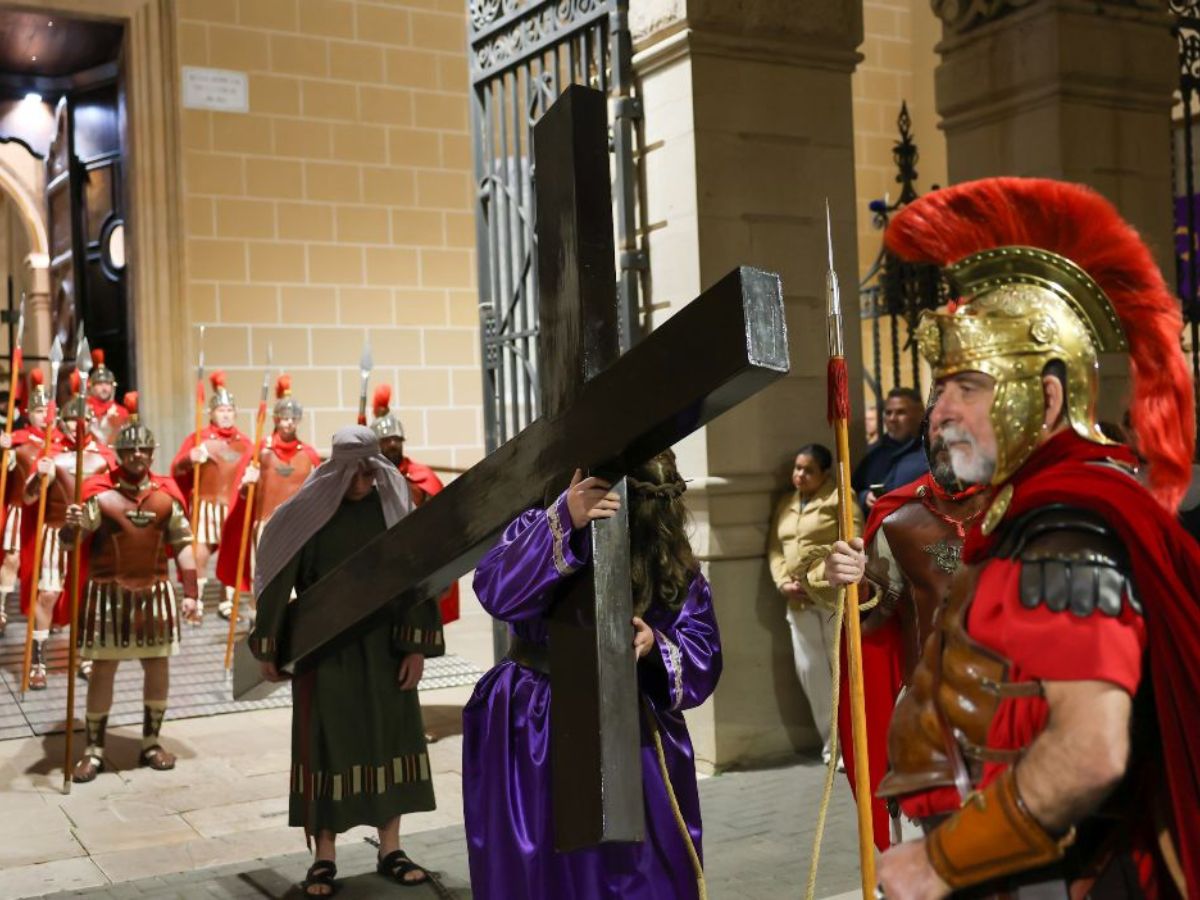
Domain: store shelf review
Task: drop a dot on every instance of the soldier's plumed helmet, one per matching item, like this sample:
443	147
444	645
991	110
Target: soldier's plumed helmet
101	374
77	406
39	397
220	394
386	424
286	406
133	434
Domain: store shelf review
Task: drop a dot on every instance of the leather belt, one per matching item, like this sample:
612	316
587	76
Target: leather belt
530	655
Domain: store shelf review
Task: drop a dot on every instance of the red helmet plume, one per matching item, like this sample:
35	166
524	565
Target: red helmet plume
98	357
382	401
37	377
1074	221
131	402
217	379
73	381
283	386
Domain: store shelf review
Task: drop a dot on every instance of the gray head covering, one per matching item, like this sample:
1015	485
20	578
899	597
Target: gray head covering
304	514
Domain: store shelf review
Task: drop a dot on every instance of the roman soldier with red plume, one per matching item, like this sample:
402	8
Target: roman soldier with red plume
58	468
132	520
283	466
108	416
221	454
422	481
14	487
1050	740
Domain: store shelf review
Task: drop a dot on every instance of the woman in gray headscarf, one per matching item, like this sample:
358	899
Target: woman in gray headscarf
358	742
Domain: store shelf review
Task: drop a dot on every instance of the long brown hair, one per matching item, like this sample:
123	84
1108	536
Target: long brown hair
662	565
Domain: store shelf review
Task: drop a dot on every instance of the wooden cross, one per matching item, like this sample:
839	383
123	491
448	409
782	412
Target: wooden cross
601	412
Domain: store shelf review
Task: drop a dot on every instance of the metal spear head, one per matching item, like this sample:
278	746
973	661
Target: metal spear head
833	294
83	353
200	366
56	358
266	385
366	363
21	321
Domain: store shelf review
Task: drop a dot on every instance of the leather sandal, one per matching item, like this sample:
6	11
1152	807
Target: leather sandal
85	670
321	874
37	678
396	866
157	758
87	769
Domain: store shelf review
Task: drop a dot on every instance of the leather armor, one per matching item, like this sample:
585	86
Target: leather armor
277	480
938	736
26	462
927	548
218	474
130	545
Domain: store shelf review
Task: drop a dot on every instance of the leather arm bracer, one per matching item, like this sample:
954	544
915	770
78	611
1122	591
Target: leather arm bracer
993	835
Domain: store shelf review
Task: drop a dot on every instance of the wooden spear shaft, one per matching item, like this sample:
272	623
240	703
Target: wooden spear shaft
196	440
8	430
244	544
72	645
35	573
858	707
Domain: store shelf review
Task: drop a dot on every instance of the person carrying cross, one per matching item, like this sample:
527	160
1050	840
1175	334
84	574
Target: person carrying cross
506	758
358	741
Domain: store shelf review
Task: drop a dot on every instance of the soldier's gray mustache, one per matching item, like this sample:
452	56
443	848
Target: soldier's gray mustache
953	434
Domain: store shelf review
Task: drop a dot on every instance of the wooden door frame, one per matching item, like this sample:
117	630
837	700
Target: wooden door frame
159	320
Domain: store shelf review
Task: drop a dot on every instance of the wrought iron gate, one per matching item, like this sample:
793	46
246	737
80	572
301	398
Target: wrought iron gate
524	53
1184	171
893	290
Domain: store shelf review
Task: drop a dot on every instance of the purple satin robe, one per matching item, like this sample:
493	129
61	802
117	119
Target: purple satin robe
506	736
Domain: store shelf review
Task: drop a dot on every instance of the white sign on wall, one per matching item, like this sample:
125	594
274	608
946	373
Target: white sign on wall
219	89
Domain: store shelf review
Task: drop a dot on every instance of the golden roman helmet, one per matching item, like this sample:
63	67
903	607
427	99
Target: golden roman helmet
1017	310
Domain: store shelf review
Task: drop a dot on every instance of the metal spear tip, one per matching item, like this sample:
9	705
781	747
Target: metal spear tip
83	356
56	353
366	364
21	320
829	233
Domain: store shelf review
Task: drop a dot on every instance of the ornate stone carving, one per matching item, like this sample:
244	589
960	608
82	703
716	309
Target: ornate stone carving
960	16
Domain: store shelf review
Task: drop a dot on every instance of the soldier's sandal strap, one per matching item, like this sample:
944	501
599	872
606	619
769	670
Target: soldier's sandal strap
991	836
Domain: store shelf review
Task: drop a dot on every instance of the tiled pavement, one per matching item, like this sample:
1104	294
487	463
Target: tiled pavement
757	837
215	827
198	683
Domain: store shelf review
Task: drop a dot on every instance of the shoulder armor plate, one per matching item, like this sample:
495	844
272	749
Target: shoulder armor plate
1071	559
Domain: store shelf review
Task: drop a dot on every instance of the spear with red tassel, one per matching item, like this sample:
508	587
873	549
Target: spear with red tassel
839	417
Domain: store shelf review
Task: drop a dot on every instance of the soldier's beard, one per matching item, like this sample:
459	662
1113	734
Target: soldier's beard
942	468
970	464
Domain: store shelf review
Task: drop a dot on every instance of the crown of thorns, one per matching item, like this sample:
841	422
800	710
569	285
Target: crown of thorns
668	491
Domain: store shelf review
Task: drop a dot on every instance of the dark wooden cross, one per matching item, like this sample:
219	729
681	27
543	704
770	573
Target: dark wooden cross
602	412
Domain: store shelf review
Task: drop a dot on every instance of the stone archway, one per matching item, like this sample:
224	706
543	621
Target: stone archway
155	246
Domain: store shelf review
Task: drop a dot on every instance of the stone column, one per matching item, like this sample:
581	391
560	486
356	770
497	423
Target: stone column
1064	89
36	280
747	131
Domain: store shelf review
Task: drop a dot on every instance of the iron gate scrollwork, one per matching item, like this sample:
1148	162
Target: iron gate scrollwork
524	53
1187	210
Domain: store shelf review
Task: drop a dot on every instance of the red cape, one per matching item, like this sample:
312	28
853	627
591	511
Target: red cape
883	675
181	466
231	531
425	479
1166	569
62	613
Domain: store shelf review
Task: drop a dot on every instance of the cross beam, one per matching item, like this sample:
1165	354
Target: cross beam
601	412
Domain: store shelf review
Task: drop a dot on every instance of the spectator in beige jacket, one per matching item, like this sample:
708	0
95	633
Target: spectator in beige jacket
802	532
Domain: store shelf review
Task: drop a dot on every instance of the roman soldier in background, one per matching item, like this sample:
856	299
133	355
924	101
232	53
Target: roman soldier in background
12	500
221	454
283	466
422	481
913	537
108	415
1048	743
132	520
27	450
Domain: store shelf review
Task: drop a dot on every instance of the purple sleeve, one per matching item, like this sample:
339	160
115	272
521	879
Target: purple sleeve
537	550
685	665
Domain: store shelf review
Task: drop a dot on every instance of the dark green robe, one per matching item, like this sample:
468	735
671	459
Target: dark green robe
358	742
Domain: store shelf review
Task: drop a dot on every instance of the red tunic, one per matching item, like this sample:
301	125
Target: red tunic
110	417
429	484
231	533
213	437
1162	644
